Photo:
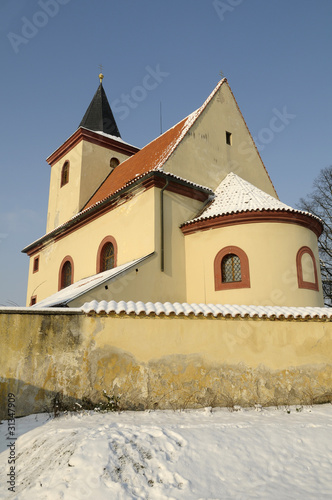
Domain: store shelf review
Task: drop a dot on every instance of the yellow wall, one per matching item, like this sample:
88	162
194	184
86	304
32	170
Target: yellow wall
271	249
134	218
162	362
89	166
135	225
203	155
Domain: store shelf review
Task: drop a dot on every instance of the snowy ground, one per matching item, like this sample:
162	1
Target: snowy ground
246	454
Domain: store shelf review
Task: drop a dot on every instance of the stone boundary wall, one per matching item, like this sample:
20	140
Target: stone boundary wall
161	361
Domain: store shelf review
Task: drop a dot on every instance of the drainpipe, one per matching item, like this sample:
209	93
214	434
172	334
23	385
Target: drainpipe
162	238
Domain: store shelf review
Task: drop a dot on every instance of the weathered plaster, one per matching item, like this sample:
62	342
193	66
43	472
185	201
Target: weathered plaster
154	362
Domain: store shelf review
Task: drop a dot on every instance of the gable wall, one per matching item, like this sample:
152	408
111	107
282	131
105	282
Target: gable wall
203	155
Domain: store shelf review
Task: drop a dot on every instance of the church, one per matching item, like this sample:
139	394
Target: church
192	217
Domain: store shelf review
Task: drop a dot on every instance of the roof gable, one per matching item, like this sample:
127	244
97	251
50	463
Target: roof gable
150	158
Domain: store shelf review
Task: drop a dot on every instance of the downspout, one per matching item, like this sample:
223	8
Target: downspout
162	237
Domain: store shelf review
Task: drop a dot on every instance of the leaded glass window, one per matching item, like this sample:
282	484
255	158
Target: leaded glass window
107	257
231	268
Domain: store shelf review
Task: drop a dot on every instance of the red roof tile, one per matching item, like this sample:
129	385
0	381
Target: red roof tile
151	157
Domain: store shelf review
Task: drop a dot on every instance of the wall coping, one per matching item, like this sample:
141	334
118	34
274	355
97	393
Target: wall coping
206	310
158	309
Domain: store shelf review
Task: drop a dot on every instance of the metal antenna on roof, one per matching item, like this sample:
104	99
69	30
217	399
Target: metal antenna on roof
221	74
161	120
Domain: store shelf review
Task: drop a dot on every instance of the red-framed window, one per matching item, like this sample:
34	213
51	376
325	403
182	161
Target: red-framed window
107	254
35	268
231	269
33	300
306	269
66	272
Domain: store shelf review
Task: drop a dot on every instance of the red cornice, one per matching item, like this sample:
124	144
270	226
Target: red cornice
154	180
94	138
254	217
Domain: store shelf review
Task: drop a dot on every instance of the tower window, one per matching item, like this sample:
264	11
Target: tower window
114	162
65	174
228	138
35	264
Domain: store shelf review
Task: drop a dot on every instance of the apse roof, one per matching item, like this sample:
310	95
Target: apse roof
235	195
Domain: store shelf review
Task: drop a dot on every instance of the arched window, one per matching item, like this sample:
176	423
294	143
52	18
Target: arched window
65	173
231	269
114	162
107	257
66	272
107	254
306	269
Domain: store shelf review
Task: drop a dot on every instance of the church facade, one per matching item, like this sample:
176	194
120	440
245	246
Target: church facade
193	217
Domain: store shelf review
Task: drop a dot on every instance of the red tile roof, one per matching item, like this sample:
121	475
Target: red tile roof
151	157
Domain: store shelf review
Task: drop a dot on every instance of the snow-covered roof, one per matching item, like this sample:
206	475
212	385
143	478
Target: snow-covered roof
150	158
235	195
215	310
113	137
82	286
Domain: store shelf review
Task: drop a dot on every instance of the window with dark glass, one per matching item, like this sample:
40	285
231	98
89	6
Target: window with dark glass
230	269
65	174
107	257
66	274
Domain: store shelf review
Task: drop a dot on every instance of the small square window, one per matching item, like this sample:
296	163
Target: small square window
36	264
228	138
33	300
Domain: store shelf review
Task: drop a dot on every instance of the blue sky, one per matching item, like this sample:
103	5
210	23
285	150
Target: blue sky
275	54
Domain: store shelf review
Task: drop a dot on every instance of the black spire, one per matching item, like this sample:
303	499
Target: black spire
99	116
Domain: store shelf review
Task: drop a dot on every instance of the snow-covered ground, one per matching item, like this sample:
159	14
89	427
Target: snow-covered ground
268	453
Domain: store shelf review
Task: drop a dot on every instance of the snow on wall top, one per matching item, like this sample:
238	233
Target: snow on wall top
234	195
215	310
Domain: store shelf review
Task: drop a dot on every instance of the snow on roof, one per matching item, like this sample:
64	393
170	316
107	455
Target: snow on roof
150	158
114	137
214	310
234	195
86	284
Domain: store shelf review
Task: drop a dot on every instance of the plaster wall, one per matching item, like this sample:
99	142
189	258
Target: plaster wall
135	218
203	155
89	166
161	362
136	227
271	249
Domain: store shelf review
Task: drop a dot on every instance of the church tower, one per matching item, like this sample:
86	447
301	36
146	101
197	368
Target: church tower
83	161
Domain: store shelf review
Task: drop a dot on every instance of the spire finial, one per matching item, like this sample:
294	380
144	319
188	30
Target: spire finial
101	76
